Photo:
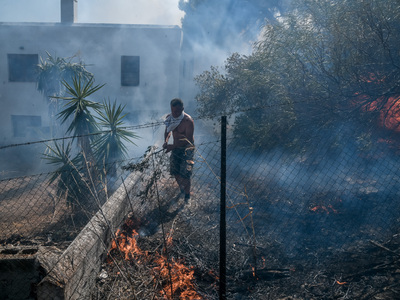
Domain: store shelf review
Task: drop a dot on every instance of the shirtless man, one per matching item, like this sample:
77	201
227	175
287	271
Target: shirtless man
181	125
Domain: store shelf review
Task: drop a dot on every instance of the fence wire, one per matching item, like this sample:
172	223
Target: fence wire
132	235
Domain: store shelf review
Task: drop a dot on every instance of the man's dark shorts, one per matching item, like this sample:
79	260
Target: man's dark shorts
181	162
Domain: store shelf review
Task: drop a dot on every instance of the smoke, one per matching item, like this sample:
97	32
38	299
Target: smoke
216	29
130	12
325	196
211	33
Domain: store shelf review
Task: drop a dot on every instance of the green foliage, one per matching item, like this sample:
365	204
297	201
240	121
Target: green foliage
71	184
53	70
110	145
248	87
316	65
97	148
78	106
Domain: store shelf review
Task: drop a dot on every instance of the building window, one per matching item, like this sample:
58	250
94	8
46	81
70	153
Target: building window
130	70
24	125
22	67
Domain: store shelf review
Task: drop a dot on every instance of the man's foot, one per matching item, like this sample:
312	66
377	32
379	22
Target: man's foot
187	197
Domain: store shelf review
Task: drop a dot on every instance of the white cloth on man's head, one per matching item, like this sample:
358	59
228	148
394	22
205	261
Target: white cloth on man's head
172	122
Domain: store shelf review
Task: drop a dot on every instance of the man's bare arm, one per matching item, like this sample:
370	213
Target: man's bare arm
167	135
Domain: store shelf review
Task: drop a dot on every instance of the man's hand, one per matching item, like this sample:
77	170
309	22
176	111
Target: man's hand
168	147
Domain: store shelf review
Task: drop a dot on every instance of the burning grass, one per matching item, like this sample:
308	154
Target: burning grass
154	267
175	278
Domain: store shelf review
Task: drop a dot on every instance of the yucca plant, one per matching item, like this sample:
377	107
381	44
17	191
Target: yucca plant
77	111
71	184
110	145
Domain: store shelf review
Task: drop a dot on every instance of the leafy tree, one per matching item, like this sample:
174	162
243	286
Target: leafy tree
313	66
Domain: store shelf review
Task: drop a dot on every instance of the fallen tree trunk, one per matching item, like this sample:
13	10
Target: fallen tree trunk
71	275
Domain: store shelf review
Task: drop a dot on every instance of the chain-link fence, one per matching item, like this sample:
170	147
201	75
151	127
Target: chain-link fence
297	216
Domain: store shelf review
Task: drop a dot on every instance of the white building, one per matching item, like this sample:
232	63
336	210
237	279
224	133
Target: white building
140	65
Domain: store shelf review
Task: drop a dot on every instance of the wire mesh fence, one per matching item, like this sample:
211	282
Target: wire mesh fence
291	211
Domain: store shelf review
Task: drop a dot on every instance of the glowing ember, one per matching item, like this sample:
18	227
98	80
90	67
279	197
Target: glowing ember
263	261
322	208
254	271
169	239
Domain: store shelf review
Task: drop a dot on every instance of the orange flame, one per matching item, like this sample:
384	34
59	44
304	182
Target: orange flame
179	277
388	108
126	245
389	113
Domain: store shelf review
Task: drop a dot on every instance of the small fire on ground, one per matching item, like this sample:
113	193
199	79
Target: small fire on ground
326	205
177	279
324	209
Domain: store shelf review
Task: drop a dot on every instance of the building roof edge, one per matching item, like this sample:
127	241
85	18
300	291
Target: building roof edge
50	24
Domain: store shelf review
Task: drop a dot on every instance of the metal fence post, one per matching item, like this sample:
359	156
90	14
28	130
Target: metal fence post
222	241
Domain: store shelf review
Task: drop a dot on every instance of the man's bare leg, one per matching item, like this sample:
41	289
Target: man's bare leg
184	185
179	180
